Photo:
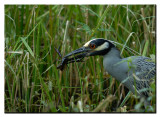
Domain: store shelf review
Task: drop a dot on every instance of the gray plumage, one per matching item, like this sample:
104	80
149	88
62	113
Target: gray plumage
135	72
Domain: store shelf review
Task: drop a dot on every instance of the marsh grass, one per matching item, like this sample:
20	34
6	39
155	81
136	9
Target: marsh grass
32	81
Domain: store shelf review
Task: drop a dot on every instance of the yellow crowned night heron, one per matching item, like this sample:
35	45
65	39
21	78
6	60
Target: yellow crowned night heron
135	72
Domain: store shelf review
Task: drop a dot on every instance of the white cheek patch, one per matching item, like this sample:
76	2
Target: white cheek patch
102	47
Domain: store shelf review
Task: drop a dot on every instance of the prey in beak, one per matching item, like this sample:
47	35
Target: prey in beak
74	56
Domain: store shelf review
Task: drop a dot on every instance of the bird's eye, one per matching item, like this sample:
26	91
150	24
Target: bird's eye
92	46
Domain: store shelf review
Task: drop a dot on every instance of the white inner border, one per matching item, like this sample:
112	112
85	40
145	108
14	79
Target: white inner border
48	2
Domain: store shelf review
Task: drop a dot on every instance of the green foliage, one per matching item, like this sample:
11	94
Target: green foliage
32	81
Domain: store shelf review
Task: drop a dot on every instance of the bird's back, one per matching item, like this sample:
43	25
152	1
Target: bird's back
141	71
134	72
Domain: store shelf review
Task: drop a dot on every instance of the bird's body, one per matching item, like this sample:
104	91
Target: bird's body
135	72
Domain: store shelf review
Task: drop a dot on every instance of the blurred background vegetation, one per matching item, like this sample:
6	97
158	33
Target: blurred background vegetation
32	32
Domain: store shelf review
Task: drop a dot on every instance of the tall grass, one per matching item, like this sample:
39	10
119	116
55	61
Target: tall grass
32	81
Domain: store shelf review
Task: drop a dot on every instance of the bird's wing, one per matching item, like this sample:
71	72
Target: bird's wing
141	70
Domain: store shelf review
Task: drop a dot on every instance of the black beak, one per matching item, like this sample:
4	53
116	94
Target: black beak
78	56
77	51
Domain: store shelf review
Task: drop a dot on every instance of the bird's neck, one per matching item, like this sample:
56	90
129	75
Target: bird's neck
113	55
110	59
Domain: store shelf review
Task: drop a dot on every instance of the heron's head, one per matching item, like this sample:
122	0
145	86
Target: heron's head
93	47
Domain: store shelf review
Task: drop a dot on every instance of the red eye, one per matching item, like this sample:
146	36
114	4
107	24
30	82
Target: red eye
92	46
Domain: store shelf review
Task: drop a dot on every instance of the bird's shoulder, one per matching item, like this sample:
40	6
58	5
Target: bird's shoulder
141	66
